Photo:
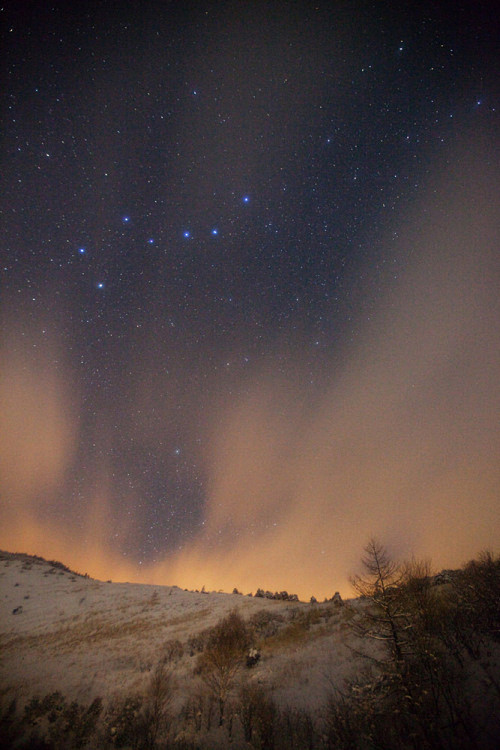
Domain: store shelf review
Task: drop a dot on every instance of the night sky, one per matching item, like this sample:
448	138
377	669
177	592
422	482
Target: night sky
249	310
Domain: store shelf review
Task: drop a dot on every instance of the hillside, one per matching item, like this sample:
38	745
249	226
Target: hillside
63	631
75	639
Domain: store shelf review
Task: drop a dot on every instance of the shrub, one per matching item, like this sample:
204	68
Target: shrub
173	651
266	623
123	725
257	712
60	724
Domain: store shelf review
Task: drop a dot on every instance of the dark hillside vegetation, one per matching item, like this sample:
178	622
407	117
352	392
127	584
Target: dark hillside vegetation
436	682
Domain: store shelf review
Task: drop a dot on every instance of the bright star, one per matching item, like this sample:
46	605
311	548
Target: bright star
100	285
215	231
151	241
126	219
187	234
81	250
246	199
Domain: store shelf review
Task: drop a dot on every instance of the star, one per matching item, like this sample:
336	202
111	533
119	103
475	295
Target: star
197	338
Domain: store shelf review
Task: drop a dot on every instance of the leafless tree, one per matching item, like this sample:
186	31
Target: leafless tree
155	709
224	655
387	620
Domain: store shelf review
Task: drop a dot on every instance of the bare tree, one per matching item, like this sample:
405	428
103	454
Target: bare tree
380	583
220	661
417	683
155	709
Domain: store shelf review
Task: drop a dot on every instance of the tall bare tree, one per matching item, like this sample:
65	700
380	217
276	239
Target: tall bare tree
380	583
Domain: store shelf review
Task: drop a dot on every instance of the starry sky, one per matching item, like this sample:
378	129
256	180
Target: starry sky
249	309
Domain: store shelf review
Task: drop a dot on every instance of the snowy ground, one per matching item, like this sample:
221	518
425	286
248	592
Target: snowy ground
87	638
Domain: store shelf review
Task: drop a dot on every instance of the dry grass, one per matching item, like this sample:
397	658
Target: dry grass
94	630
91	631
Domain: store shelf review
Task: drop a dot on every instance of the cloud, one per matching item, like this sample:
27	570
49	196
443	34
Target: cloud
37	419
403	443
401	440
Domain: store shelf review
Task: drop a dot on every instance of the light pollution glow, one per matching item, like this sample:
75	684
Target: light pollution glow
402	444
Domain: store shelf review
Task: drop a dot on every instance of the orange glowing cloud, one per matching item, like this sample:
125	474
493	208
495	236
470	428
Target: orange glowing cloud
401	443
37	420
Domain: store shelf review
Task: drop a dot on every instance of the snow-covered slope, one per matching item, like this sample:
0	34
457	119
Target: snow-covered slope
87	638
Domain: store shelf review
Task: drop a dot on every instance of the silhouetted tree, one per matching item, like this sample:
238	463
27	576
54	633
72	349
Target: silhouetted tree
416	692
380	583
